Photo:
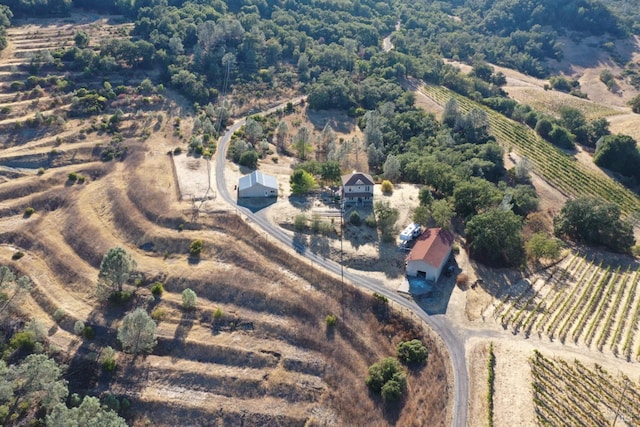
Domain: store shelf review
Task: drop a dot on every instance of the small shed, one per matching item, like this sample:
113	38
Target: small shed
430	254
258	184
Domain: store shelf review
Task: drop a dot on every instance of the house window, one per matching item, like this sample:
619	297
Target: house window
368	188
349	188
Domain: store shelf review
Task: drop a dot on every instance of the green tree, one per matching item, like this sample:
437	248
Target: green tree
189	299
249	159
635	104
441	212
115	268
330	171
421	215
391	168
475	196
388	377
592	221
412	352
11	288
252	130
386	218
36	381
542	246
89	413
495	237
302	145
138	332
544	128
282	133
524	199
620	154
425	196
81	39
302	182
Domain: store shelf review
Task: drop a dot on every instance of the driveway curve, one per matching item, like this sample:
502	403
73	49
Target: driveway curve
451	337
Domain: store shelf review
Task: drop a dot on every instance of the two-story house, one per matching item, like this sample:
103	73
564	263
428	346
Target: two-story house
357	189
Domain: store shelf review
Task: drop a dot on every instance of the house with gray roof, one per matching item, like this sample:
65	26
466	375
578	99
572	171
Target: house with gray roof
258	184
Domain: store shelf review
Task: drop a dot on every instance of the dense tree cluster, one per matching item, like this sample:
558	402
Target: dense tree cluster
591	221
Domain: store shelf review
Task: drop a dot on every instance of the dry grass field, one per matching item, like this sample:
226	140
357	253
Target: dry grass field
256	351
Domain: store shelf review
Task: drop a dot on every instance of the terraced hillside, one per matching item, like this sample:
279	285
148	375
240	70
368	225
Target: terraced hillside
581	300
257	350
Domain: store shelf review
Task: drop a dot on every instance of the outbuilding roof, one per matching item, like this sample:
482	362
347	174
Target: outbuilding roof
257	177
353	178
432	247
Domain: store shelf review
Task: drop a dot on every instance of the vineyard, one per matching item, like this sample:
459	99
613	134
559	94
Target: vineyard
580	301
571	394
561	170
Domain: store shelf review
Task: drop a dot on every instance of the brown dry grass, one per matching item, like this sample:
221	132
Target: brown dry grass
269	360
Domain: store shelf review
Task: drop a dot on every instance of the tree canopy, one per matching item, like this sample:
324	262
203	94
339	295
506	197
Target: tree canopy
115	268
137	333
592	221
495	237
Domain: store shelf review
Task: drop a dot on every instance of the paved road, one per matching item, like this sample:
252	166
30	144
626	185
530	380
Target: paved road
439	323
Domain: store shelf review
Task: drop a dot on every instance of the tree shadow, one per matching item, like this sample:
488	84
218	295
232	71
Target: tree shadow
184	326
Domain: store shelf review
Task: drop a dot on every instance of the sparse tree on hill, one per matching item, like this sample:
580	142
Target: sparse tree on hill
11	288
301	144
37	380
89	413
388	379
282	133
189	299
252	131
138	332
81	39
115	268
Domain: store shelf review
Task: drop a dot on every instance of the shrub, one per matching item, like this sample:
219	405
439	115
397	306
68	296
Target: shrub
73	177
25	340
300	222
386	187
195	248
109	365
158	314
217	313
331	320
17	255
387	379
189	299
88	332
59	314
29	211
78	327
370	221
41	171
412	352
111	402
354	218
157	289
